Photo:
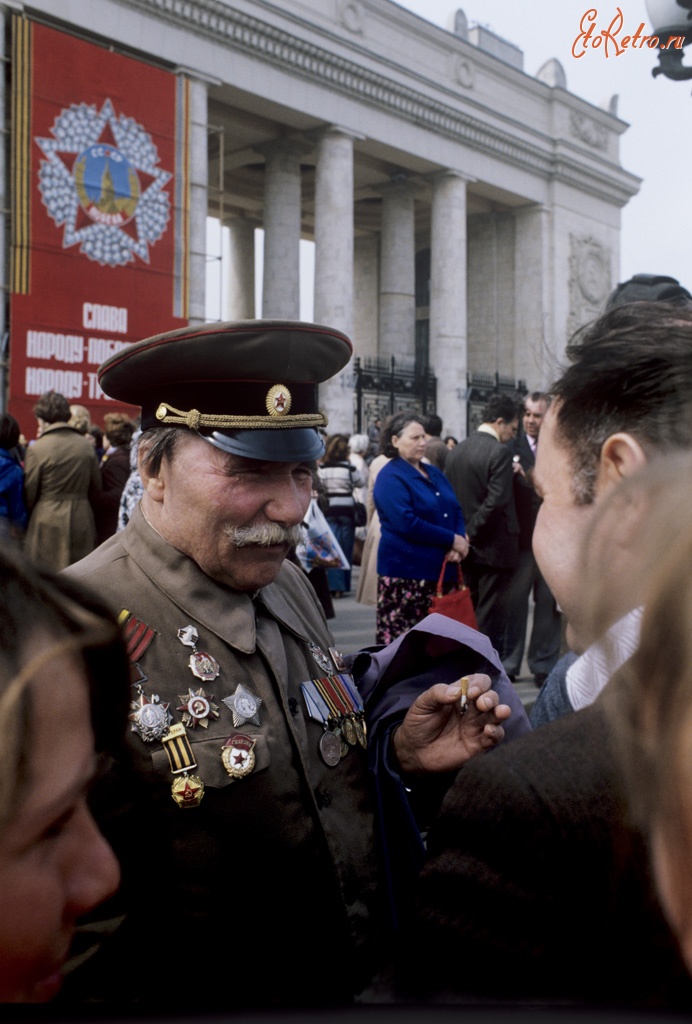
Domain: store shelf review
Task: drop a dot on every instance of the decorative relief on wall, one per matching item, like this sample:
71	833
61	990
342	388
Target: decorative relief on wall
351	15
462	72
589	280
588	131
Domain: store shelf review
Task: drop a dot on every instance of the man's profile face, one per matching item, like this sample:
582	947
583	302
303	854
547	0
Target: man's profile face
561	526
534	413
202	491
507	430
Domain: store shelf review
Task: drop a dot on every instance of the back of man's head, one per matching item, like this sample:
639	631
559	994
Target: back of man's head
631	371
500	407
649	288
432	424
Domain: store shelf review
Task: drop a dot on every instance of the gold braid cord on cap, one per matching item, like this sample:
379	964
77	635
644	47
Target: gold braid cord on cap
194	419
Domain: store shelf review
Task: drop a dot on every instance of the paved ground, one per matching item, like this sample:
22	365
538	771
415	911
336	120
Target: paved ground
354	627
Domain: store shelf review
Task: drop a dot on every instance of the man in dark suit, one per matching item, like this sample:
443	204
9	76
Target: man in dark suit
436	450
536	889
480	471
537	884
527	579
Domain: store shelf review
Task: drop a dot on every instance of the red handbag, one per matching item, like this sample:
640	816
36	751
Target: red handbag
457	604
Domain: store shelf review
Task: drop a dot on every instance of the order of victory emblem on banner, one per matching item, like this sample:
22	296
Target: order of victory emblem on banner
100	181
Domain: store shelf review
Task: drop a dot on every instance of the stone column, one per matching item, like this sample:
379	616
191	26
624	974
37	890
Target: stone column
199	179
241	275
448	345
334	260
397	271
366	290
282	223
535	358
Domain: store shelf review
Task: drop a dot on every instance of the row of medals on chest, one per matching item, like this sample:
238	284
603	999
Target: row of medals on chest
333	701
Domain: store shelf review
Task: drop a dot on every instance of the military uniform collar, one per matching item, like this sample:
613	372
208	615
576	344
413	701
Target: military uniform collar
227	613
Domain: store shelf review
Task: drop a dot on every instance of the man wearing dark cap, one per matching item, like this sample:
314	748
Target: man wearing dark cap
649	288
250	866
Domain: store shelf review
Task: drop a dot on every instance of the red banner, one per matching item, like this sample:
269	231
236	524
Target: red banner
100	208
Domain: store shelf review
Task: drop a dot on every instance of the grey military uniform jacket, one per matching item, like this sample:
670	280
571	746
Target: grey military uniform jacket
283	853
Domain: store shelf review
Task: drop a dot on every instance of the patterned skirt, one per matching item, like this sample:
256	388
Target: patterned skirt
401	604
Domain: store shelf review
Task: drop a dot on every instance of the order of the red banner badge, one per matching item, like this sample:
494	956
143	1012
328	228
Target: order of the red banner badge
201	663
187	790
238	755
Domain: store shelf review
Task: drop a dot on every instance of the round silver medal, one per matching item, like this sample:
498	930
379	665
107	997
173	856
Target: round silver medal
330	748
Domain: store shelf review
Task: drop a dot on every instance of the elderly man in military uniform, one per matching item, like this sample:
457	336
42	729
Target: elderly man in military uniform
241	807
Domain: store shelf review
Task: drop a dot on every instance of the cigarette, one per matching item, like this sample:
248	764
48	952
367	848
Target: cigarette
463	700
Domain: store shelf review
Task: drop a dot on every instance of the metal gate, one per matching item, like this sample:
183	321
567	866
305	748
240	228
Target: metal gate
386	386
481	386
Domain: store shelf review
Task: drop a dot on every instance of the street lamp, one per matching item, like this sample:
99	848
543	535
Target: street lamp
671	18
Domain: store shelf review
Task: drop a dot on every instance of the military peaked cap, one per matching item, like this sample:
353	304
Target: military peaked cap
249	387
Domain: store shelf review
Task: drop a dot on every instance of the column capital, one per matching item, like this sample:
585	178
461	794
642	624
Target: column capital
444	174
326	130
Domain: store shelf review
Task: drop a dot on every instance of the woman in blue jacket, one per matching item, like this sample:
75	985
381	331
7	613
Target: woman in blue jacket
13	512
421	522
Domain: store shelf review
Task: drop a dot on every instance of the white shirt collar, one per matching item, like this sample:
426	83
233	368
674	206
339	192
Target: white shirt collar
587	676
485	428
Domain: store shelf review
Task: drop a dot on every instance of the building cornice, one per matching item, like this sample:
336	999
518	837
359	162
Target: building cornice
259	39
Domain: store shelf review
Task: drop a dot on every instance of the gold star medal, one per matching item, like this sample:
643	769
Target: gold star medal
187	790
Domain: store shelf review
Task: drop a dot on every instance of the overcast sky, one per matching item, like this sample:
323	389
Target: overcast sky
657	146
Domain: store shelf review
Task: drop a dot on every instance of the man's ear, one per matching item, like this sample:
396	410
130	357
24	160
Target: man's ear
154	486
621	456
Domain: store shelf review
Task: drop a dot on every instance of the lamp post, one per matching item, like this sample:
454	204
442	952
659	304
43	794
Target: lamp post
671	18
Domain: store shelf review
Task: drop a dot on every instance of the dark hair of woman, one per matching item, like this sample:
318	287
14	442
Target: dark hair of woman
9	432
393	426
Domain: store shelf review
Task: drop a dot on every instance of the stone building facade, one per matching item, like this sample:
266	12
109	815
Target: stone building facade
465	214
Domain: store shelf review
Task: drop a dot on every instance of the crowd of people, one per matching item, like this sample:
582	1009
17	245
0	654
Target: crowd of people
188	754
61	491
